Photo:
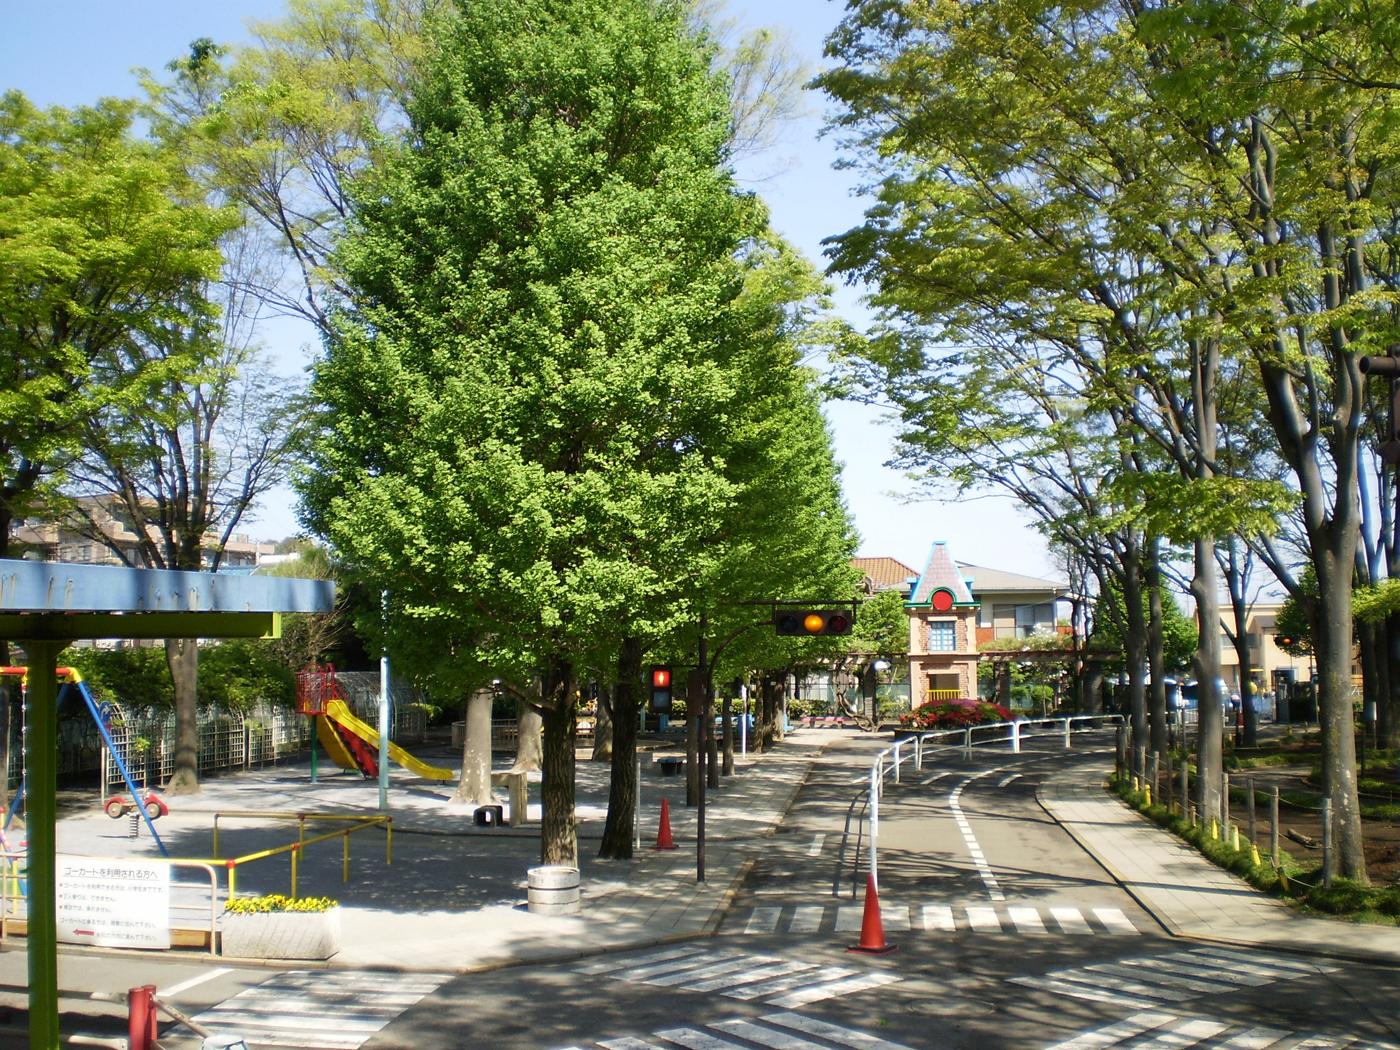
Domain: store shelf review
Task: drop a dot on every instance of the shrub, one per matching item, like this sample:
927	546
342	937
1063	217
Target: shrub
277	902
954	714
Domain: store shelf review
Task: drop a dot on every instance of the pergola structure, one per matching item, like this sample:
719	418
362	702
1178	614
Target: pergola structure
45	606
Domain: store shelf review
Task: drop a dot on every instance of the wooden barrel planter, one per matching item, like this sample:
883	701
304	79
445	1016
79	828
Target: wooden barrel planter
553	890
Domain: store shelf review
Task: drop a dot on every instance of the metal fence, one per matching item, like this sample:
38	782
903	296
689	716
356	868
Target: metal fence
145	738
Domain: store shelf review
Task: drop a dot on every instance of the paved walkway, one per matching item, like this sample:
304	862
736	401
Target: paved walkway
1188	894
453	900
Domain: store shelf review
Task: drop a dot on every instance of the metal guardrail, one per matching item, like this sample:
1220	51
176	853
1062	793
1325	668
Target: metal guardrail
990	733
295	849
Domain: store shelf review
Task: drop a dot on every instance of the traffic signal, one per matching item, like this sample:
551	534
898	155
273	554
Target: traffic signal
807	622
1285	640
660	689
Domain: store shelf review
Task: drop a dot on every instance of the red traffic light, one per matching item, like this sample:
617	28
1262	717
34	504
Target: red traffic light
660	677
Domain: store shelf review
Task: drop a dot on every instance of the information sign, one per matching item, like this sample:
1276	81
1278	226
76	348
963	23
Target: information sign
113	903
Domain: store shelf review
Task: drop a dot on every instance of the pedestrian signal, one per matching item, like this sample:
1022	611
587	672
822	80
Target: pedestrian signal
660	690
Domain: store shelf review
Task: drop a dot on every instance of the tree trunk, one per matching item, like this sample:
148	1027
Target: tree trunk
475	786
1135	646
622	793
1388	716
728	715
1210	724
603	726
1156	663
1370	645
1332	631
559	824
1091	689
767	707
529	756
182	656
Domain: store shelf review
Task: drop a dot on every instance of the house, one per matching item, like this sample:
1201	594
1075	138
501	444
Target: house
57	541
955	607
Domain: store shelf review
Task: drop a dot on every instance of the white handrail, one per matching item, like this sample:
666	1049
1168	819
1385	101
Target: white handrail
1014	731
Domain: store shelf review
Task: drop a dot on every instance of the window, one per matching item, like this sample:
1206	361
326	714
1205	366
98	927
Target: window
984	616
942	636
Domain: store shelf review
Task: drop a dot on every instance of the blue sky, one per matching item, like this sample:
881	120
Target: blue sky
68	52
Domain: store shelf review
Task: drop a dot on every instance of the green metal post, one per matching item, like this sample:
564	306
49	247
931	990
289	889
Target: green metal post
41	786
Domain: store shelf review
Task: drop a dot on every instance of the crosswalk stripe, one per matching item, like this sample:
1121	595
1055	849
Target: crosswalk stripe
608	963
849	917
807	918
815	849
1027	920
938	917
627	1044
763	920
816	993
694	961
894	917
1159	977
1273	964
693	1039
1078	991
1115	1033
807	977
759	973
1190	1032
1254	1039
1070	920
329	1010
983	919
700	974
1114	919
765	1036
849	1037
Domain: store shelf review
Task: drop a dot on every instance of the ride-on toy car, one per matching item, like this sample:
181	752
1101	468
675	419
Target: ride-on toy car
119	805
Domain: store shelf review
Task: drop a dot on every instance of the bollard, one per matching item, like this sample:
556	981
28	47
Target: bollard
967	742
1273	826
896	760
1234	836
1327	842
1015	738
1214	829
141	1018
919	753
1067	730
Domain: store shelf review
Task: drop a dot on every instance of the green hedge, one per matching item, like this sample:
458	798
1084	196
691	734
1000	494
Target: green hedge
1291	880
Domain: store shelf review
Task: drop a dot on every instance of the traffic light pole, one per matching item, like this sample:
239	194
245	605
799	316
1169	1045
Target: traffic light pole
706	669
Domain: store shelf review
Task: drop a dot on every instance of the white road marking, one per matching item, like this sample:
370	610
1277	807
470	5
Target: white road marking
1115	1033
984	870
1007	779
1114	919
833	1033
938	917
815	849
609	963
629	1044
1027	920
808	977
807	918
1254	1039
696	1040
763	920
816	993
982	918
936	777
764	1036
1070	920
185	986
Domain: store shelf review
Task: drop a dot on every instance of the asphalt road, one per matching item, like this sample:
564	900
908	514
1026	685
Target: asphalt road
1005	934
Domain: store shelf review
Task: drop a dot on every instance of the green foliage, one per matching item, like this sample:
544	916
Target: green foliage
276	902
882	626
233	674
1178	631
104	243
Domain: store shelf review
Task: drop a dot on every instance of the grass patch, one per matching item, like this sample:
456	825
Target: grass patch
1290	880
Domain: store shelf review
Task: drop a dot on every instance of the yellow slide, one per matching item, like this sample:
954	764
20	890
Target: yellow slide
337	712
335	748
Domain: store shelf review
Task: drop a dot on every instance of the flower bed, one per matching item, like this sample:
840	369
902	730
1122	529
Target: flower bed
278	927
954	714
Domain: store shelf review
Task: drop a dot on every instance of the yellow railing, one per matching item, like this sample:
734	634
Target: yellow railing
944	694
360	823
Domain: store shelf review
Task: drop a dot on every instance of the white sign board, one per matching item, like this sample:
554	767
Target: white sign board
113	903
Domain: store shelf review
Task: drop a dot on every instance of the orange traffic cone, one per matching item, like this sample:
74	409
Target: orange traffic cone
663	833
872	927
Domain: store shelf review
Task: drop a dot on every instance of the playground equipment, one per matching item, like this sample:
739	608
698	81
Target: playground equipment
71	684
350	742
119	806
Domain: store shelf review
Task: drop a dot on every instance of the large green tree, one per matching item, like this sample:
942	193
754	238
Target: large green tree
524	391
